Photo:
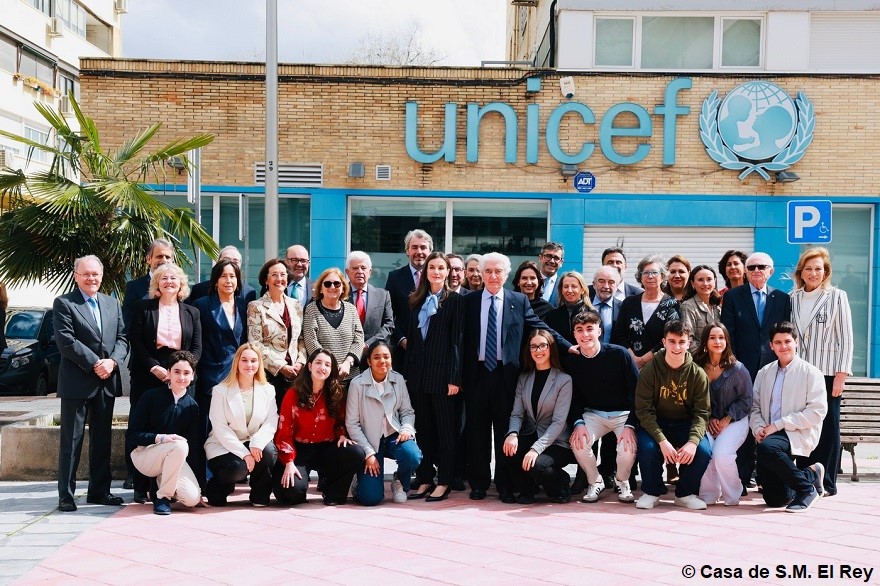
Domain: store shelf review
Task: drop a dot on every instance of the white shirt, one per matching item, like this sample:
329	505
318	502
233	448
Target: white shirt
484	321
620	292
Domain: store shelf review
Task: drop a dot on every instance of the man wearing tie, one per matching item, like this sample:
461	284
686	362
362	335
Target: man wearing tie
550	260
401	282
749	312
605	281
300	287
496	321
372	303
614	257
90	334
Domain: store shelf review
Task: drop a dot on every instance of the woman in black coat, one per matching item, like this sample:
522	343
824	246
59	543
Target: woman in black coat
574	297
433	374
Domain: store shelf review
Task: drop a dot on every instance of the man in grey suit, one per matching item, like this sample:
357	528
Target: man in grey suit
372	303
91	338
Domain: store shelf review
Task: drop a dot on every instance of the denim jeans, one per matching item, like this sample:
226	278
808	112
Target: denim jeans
651	459
371	489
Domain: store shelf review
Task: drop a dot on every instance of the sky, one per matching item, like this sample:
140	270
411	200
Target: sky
309	31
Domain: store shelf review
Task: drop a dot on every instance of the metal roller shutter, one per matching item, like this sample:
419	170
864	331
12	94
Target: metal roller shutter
698	245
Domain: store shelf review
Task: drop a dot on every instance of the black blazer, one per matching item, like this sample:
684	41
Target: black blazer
641	337
142	336
219	341
560	321
200	290
433	363
135	291
749	339
399	285
517	321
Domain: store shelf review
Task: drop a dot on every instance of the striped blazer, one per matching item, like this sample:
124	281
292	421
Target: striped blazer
346	340
826	336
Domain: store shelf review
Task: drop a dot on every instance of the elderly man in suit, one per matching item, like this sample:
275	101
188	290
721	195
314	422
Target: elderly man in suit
496	323
749	311
90	334
300	286
372	303
161	251
203	289
401	282
615	257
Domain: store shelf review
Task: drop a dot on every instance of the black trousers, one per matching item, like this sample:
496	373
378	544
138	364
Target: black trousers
229	469
281	385
98	411
827	451
782	480
488	406
437	429
336	466
547	472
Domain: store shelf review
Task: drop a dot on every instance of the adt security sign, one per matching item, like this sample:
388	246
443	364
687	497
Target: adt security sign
584	182
809	222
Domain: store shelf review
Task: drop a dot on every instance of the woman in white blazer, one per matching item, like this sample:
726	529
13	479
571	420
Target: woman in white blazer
243	422
823	320
537	438
275	326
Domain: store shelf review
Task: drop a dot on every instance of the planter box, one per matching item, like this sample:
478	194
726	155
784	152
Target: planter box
29	450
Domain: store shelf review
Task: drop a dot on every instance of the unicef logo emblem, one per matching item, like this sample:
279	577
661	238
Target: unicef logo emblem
757	128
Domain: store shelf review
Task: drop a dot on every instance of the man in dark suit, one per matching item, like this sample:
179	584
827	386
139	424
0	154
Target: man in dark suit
298	262
496	324
550	260
160	252
90	334
614	257
401	282
202	289
372	303
749	312
456	274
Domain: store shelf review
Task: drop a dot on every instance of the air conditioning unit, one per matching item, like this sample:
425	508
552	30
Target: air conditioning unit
7	159
120	6
56	26
64	105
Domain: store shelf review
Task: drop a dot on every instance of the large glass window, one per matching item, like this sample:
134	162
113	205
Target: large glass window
72	15
37	135
850	252
741	42
31	65
8	55
66	84
614	42
378	227
44	6
677	42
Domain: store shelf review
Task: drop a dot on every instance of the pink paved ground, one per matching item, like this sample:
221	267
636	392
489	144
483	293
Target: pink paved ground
466	542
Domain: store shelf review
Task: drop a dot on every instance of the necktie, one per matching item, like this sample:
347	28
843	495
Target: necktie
93	305
605	314
491	353
361	306
759	305
295	291
417	275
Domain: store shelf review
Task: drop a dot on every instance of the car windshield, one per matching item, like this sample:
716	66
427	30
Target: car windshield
23	324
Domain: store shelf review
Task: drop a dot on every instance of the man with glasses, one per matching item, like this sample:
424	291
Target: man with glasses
91	339
300	286
749	312
550	260
202	289
456	273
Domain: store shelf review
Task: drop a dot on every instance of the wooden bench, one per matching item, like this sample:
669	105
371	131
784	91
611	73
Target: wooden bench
859	416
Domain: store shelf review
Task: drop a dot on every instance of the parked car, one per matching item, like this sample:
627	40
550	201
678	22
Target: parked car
29	366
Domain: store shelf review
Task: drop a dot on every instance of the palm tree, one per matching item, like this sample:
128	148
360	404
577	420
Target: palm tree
52	219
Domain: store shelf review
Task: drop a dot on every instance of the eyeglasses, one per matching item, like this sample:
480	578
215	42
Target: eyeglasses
539	347
552	257
298	261
758	267
650	273
457	269
332	284
90	275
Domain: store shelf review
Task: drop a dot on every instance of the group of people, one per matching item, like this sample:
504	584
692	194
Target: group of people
335	375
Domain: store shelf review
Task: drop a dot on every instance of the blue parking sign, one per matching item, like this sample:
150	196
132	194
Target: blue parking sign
809	221
584	182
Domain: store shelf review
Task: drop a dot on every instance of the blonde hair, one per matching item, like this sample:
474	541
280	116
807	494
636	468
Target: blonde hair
807	256
318	293
231	379
182	294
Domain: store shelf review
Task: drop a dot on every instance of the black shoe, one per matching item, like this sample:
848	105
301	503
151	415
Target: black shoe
333	502
803	502
580	483
139	497
507	497
525	499
477	494
129	483
441	497
745	492
66	506
563	497
457	484
420	495
162	507
108	499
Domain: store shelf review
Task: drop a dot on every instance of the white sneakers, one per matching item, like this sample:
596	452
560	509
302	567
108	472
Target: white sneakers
691	502
397	490
647	501
624	495
593	491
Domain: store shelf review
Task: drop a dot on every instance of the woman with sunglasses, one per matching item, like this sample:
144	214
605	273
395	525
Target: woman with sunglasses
333	324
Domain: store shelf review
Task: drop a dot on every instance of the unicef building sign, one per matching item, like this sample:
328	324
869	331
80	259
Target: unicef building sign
757	128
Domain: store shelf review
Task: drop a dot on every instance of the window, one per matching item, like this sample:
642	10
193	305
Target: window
542	55
614	42
655	41
378	226
37	135
44	6
72	15
8	55
66	84
32	65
